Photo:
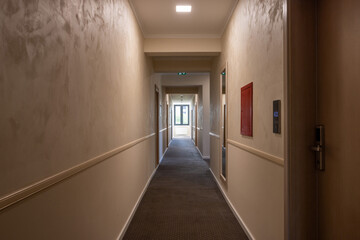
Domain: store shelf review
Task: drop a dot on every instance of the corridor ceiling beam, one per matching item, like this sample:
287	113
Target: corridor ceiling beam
182	46
182	90
182	64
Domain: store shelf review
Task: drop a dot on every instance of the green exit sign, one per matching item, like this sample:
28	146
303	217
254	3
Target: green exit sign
182	73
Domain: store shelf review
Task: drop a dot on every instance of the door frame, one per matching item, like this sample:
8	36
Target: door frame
157	129
196	123
300	193
167	125
223	133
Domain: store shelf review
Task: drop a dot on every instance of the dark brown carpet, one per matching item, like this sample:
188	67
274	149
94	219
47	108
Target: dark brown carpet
183	201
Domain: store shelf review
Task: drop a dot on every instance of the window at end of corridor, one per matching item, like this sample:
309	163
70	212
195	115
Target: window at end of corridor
181	114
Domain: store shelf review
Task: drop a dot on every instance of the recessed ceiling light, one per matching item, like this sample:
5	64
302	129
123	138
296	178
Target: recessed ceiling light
183	8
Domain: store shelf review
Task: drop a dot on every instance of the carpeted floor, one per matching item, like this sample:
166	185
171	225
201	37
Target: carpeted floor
183	201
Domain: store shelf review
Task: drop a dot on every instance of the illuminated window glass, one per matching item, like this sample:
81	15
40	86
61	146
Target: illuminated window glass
181	114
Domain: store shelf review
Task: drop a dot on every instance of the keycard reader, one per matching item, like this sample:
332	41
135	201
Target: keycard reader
276	116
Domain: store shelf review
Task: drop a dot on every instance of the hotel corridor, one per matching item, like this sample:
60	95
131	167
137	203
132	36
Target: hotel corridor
97	98
183	201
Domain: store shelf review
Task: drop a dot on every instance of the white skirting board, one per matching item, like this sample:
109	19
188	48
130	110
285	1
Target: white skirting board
163	155
247	231
123	230
203	157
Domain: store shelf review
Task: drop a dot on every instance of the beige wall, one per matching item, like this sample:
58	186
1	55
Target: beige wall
74	84
253	52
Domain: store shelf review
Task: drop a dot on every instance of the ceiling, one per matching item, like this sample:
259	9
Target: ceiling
158	18
186	98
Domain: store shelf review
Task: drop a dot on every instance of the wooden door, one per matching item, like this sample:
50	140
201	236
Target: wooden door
339	112
323	83
157	125
196	124
167	125
300	113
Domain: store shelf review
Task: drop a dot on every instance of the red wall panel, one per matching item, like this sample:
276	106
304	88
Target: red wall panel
247	110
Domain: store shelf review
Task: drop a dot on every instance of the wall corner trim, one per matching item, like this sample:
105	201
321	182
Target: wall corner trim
240	220
264	155
128	221
23	193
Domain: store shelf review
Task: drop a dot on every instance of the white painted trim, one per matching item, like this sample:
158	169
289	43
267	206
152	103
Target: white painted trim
203	157
162	130
128	221
199	152
264	155
163	155
240	220
137	18
214	135
229	17
41	185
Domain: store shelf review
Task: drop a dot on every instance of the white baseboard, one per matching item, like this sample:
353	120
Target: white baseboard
123	230
247	231
203	157
163	155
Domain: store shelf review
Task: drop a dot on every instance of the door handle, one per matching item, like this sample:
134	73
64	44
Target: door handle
319	147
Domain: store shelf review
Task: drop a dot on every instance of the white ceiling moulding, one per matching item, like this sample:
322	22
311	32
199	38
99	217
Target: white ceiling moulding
137	18
229	17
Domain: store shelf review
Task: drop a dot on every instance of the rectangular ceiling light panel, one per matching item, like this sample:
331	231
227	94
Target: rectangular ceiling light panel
183	8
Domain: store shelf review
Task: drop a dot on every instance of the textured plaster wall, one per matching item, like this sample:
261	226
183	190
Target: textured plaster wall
253	52
74	84
68	70
253	49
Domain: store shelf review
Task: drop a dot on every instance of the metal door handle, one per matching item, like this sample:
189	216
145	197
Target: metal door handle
317	148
